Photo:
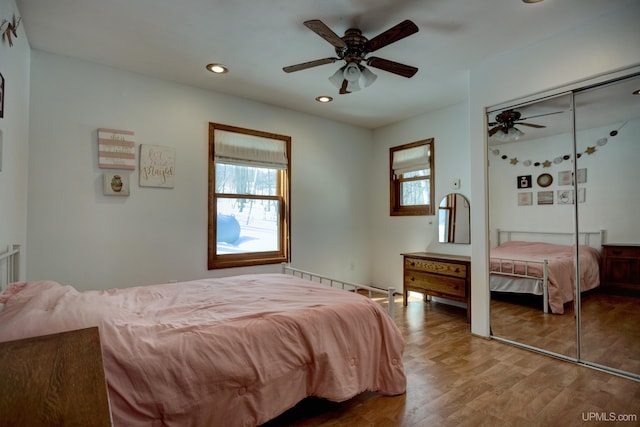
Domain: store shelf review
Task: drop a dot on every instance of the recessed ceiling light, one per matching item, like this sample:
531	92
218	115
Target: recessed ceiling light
636	92
531	1
217	68
324	99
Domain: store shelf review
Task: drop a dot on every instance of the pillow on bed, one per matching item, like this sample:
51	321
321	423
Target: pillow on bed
11	290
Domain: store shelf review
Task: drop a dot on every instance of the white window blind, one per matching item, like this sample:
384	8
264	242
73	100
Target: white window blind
411	159
249	150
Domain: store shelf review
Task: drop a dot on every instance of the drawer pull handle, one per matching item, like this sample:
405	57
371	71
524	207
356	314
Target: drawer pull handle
457	270
413	264
413	279
617	252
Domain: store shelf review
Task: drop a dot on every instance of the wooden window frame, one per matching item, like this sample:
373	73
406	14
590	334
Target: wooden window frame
283	196
396	209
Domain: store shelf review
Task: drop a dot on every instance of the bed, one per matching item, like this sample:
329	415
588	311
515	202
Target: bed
233	351
543	263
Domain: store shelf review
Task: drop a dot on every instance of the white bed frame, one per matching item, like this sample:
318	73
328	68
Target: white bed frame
355	287
10	272
9	266
594	239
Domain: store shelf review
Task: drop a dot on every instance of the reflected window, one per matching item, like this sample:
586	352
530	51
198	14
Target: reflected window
411	178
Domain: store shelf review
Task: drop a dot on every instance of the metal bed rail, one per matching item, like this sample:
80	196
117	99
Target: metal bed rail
510	270
389	293
9	266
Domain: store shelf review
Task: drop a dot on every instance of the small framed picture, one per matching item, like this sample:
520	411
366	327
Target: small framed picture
115	184
524	181
545	197
1	96
564	178
565	197
525	199
581	176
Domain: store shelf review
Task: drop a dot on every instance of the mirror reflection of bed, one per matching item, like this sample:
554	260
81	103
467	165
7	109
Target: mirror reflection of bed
572	168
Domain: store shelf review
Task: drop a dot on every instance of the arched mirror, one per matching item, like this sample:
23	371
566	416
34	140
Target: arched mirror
454	219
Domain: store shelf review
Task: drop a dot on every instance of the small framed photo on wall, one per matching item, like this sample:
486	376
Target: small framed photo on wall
524	181
525	199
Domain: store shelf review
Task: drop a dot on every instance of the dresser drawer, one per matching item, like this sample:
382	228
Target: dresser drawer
438	267
622	251
444	285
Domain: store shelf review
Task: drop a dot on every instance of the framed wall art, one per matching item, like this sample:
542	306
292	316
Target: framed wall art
116	149
525	199
115	184
157	166
524	181
545	197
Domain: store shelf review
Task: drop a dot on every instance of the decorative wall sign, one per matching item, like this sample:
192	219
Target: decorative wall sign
565	197
524	181
115	184
157	166
1	96
116	149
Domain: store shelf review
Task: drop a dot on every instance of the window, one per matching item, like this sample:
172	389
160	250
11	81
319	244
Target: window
249	177
411	178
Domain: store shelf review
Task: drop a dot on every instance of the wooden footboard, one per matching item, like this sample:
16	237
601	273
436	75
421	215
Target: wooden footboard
389	293
9	266
507	267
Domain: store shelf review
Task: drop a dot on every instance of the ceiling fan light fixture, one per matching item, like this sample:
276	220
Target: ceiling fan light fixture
508	135
352	72
337	77
367	76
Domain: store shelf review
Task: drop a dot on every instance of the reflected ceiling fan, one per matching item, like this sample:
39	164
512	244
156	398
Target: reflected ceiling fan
353	48
505	123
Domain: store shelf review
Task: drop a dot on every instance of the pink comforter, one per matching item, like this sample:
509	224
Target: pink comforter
561	267
235	351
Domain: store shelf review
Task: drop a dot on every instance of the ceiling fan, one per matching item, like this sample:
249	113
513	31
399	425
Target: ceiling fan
353	48
506	120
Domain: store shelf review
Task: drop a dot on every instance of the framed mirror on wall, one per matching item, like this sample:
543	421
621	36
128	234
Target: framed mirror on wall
565	246
454	219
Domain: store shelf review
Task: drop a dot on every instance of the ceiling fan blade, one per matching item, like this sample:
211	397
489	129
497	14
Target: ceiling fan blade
533	125
319	27
494	130
540	115
392	67
310	64
393	34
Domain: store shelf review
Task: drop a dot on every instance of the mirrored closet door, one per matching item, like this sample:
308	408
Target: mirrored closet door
608	195
531	300
565	240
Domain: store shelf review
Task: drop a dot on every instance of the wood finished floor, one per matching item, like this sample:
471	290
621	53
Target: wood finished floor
457	379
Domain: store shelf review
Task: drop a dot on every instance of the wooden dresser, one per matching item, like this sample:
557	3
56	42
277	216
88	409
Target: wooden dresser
438	275
54	380
621	267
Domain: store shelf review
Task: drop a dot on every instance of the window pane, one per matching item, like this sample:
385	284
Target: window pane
247	225
421	172
234	179
414	192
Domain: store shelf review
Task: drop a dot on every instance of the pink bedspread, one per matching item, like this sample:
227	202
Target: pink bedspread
235	351
561	267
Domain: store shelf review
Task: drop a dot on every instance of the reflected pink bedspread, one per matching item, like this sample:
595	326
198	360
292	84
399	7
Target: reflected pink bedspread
561	267
234	351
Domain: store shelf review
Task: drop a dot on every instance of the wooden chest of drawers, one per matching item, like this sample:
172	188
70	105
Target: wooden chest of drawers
439	275
621	267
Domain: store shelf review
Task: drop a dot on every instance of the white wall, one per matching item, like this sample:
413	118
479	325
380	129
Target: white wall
14	136
398	234
612	174
609	43
78	236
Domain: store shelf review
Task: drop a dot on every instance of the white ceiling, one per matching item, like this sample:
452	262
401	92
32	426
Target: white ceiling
174	40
